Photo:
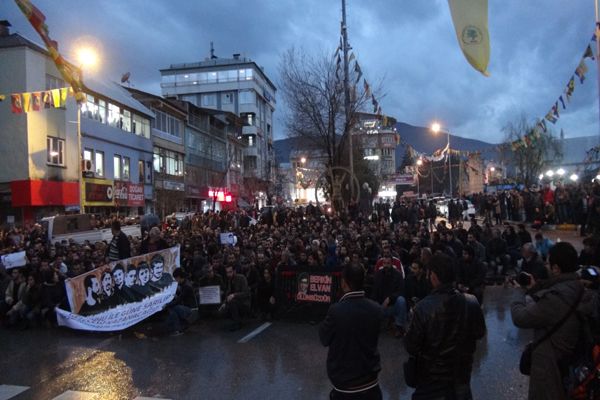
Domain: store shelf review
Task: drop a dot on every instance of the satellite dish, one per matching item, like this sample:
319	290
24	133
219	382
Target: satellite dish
125	77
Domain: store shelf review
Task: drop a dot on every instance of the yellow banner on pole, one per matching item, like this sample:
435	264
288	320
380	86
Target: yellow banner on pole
470	19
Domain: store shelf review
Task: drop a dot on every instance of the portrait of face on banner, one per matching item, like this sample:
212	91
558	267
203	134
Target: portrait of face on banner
314	287
121	293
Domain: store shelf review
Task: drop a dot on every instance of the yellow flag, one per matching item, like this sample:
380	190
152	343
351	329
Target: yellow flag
470	19
63	96
56	98
26	102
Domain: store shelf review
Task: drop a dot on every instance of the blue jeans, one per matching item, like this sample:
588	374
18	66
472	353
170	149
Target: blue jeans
398	311
177	314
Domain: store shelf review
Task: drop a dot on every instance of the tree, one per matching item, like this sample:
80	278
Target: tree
534	150
312	87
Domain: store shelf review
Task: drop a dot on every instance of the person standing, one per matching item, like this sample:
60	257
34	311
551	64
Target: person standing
555	305
351	331
442	336
119	247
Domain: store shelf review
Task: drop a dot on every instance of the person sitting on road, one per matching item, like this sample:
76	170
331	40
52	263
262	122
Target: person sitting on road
237	298
532	263
543	245
388	290
180	308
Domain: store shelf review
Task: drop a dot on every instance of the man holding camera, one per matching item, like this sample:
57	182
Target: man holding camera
554	305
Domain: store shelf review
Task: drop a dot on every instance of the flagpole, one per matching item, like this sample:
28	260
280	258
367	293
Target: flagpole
347	89
597	33
449	164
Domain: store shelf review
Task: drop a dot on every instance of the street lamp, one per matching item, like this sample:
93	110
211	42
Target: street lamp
574	177
419	163
560	172
493	169
550	173
436	127
303	160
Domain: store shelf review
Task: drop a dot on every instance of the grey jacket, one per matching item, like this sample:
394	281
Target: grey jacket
541	311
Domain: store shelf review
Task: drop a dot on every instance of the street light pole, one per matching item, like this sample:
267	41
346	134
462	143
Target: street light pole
597	33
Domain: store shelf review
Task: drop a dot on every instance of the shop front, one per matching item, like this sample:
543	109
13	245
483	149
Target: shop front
39	198
129	198
98	196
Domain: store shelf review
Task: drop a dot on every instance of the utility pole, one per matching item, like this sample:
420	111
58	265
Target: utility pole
346	48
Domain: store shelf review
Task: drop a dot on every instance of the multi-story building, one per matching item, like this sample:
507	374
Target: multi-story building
117	151
377	138
169	151
237	85
55	160
39	157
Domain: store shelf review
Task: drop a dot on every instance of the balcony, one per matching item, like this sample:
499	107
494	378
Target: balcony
251	130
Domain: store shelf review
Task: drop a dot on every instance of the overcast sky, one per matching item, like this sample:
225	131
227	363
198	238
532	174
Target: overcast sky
410	46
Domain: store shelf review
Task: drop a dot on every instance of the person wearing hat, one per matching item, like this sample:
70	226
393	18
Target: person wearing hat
119	247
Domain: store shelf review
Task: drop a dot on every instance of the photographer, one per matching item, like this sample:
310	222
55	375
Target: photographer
552	306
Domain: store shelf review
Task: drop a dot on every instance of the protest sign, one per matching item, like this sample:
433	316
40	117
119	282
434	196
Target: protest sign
210	294
121	293
315	288
14	260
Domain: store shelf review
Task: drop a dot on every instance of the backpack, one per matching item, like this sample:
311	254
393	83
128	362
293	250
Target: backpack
583	372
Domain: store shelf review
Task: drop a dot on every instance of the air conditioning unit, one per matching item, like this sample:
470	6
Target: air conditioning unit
87	166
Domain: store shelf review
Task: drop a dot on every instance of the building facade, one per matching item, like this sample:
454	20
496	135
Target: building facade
239	86
168	141
39	170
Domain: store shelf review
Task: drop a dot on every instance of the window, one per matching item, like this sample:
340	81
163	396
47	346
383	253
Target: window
99	164
245	74
211	77
168	162
87	154
114	116
157	161
250	141
101	111
166	123
117	166
52	82
141	126
126	168
209	99
126	121
141	171
227	98
247	97
55	151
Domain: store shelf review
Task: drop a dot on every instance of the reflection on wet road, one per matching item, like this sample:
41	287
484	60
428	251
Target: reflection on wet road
283	361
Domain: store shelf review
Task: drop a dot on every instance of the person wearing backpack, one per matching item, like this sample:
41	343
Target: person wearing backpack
553	309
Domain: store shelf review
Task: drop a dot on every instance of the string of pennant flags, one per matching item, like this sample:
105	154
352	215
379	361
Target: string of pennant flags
359	74
27	102
553	114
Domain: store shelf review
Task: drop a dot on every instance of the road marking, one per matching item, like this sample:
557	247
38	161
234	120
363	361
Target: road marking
74	395
255	332
150	398
10	391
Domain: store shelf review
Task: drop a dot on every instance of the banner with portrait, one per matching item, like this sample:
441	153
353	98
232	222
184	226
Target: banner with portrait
314	287
122	293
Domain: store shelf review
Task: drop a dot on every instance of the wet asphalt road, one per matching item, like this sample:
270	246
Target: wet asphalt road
285	361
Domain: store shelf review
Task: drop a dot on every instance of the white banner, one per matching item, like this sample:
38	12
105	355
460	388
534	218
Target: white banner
14	260
121	293
120	317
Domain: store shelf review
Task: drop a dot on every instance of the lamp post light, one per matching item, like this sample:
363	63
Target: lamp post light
549	173
419	163
574	177
436	127
560	172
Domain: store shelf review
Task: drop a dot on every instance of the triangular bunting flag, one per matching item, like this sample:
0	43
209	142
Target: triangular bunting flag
352	57
358	71
581	70
543	125
367	88
588	52
16	103
63	96
26	102
36	101
47	99
550	117
555	109
562	101
56	98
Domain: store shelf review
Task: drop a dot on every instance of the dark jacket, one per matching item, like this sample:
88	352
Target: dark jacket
547	304
535	267
238	286
123	246
147	247
387	282
351	331
442	335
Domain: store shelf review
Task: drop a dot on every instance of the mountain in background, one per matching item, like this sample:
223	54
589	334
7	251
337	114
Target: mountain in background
420	138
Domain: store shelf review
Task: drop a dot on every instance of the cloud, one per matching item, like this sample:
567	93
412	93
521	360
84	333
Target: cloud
410	46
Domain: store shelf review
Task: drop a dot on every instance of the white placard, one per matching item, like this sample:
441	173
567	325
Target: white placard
210	294
14	260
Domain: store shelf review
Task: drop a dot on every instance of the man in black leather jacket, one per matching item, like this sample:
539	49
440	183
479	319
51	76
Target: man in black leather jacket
442	336
351	331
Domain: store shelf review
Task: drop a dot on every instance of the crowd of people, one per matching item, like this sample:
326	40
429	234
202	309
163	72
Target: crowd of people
393	246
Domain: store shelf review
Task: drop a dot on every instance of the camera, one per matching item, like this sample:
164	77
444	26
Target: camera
589	273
